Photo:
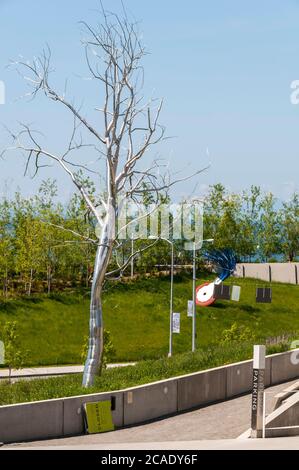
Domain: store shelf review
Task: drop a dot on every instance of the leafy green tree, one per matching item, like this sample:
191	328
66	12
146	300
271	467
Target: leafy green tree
229	229
14	357
6	244
250	223
268	239
109	349
213	209
289	228
39	240
28	241
49	214
222	218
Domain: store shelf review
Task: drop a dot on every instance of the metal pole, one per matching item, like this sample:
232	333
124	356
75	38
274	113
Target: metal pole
132	260
194	301
171	301
209	240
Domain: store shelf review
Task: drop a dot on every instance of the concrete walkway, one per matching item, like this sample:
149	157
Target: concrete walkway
225	420
52	371
286	443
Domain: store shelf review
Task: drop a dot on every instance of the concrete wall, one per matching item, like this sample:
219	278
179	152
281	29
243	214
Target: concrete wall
201	388
278	272
51	418
30	421
150	401
239	377
63	417
284	367
285	272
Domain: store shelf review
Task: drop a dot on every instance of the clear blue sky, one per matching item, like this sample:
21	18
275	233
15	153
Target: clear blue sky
223	67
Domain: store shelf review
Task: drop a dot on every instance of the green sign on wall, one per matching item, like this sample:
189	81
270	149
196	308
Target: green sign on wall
98	417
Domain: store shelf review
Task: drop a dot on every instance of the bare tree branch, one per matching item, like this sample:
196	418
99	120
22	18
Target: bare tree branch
132	256
73	232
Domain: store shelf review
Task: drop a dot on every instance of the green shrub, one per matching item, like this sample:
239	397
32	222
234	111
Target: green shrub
237	333
13	356
108	353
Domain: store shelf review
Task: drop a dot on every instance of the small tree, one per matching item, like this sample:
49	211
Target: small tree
29	247
250	223
109	349
6	244
289	228
269	227
46	210
14	357
222	218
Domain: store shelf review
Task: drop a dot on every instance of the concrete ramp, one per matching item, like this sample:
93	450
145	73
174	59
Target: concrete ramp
281	397
284	420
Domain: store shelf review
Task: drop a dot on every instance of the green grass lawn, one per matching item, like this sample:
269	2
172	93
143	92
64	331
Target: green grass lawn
53	328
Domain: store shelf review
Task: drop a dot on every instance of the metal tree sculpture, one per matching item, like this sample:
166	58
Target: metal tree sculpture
129	128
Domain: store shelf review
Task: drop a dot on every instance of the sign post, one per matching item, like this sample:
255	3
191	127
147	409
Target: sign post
194	300
258	387
190	309
176	322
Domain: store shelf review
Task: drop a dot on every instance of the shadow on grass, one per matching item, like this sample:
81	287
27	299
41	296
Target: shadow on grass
8	307
64	299
220	306
32	300
13	306
250	308
229	305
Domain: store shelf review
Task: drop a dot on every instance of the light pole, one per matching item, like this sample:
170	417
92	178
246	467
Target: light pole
132	259
171	290
194	300
208	240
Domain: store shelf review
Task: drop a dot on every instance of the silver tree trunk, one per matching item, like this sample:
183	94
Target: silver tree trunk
93	362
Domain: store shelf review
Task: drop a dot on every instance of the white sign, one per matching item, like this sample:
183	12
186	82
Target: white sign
236	291
190	308
176	320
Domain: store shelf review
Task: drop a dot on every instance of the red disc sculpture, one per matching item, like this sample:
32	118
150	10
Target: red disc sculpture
205	294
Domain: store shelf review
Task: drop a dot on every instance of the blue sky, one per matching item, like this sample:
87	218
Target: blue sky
223	67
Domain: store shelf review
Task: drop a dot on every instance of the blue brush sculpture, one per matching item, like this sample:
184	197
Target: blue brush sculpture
224	262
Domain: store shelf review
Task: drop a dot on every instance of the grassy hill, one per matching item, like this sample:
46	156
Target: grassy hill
137	315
